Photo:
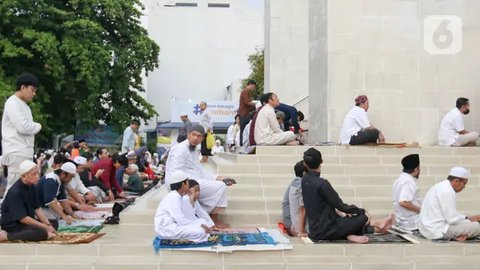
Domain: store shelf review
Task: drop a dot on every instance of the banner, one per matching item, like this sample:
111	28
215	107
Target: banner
221	111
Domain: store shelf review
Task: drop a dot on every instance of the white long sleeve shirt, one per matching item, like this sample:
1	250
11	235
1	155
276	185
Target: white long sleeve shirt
439	211
266	124
18	128
181	158
206	120
170	215
128	142
196	212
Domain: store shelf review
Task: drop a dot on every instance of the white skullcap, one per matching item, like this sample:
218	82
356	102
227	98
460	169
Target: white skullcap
459	172
183	113
178	177
26	166
69	167
80	160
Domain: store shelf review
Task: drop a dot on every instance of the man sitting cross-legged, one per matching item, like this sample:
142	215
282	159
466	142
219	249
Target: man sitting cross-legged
193	210
22	217
328	217
171	220
439	218
406	198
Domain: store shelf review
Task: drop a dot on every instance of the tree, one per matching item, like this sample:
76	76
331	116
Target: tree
88	54
257	65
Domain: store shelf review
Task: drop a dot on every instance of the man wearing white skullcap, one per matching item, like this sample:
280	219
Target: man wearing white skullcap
22	216
171	222
52	196
439	218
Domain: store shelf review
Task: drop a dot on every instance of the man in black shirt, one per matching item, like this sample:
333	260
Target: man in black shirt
22	217
328	217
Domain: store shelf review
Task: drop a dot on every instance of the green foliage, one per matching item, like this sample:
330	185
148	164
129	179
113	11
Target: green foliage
257	65
88	54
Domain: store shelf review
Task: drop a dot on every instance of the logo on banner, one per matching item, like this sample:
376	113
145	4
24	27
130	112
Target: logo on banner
196	109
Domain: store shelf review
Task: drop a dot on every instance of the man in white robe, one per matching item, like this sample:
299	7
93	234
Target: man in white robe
185	157
406	198
267	130
193	210
171	222
18	127
439	218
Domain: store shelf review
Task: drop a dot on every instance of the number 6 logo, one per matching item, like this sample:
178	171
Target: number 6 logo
442	34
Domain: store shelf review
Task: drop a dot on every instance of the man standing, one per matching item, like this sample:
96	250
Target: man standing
185	157
183	130
267	130
246	106
356	128
22	217
439	218
406	200
18	127
328	217
128	142
452	130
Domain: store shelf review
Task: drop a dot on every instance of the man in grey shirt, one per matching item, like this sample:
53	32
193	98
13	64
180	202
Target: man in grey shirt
183	130
293	211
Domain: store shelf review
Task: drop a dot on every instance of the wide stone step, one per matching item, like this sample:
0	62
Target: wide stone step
339	150
464	160
336	169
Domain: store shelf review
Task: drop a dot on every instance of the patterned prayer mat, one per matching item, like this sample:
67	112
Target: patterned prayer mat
219	239
68	238
373	239
80	229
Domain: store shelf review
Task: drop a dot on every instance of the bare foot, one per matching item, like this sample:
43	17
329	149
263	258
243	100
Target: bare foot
360	239
221	225
385	224
3	236
461	238
292	143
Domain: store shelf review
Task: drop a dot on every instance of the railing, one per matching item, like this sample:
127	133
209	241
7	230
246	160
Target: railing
298	100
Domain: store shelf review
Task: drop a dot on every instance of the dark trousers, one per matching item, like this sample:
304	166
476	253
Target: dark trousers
346	226
365	136
243	122
29	232
203	149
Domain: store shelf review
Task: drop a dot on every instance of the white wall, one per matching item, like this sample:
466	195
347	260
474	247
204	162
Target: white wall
202	50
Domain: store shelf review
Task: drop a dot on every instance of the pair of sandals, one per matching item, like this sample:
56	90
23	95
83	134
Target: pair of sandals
116	209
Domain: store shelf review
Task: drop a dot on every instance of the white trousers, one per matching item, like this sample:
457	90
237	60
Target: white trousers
213	194
470	229
464	139
278	138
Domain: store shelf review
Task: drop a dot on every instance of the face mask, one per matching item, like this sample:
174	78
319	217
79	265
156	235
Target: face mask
467	111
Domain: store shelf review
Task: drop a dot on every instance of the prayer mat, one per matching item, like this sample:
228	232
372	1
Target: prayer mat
80	229
220	239
68	238
373	239
92	214
394	145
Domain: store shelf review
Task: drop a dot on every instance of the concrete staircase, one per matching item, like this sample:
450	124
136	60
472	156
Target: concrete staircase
362	175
